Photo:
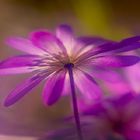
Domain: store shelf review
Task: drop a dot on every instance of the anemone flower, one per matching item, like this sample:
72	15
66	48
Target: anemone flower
58	58
116	118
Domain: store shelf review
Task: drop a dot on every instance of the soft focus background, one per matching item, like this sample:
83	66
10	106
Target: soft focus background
112	19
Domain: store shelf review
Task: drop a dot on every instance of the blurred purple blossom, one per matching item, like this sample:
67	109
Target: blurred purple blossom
49	55
116	118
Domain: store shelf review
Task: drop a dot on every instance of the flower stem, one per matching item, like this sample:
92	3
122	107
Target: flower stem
74	101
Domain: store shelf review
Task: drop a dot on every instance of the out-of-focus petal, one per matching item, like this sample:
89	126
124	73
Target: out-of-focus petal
131	39
133	76
110	47
67	88
17	64
24	45
91	50
113	81
116	61
117	88
128	44
116	115
103	73
47	42
65	34
97	109
87	44
53	88
133	134
23	89
107	47
122	100
125	47
92	40
87	85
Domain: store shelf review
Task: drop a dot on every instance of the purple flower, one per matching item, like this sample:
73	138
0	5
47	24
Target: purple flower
49	56
66	63
115	118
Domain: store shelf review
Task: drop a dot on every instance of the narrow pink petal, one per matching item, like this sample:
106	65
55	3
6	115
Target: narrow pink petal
23	89
66	89
87	85
24	45
92	40
65	34
17	64
18	70
47	42
53	88
88	44
116	61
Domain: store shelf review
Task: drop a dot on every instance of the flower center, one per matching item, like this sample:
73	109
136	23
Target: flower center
68	65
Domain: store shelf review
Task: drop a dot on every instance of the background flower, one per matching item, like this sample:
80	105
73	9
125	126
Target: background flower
116	117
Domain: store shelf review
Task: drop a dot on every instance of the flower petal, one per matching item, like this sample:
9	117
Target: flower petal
87	44
53	88
47	42
102	73
131	39
107	47
118	88
23	89
133	77
92	40
91	50
111	79
67	88
132	134
87	85
17	64
65	34
112	47
24	45
126	46
116	61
